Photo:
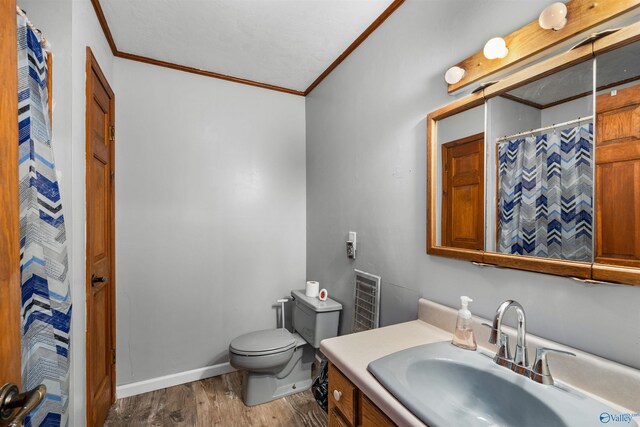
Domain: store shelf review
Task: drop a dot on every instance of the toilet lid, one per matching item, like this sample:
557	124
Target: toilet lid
263	342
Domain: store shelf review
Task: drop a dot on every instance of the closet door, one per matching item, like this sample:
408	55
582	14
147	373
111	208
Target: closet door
463	193
100	287
618	177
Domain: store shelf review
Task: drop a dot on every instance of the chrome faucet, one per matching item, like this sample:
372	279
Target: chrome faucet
539	370
520	357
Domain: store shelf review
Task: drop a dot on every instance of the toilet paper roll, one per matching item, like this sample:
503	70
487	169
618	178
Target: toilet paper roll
312	289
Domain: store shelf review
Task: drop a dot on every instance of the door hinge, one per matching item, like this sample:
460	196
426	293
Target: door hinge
112	176
112	133
113	356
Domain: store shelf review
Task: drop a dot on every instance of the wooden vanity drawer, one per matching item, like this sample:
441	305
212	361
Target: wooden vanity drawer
336	420
371	416
342	395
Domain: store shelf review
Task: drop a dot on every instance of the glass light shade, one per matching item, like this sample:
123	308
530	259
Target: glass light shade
495	48
454	75
553	17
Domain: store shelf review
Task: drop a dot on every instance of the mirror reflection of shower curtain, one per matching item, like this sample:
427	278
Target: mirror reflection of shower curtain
46	301
545	200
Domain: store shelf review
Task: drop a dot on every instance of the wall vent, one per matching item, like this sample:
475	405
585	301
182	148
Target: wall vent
366	295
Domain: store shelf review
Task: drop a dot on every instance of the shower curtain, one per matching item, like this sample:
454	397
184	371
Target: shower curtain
46	301
546	195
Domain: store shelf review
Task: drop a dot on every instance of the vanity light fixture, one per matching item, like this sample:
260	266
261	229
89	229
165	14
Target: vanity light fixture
553	17
454	75
495	48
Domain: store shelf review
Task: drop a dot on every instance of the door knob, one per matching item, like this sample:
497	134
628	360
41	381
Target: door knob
97	279
11	399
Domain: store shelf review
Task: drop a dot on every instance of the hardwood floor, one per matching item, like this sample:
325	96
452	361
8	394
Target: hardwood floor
214	402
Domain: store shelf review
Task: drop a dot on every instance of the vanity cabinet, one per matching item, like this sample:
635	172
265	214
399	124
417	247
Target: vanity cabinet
349	407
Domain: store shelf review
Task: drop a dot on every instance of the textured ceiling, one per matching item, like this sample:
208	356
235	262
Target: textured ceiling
286	43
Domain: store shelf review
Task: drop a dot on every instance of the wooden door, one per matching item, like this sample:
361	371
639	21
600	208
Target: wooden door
10	213
100	244
463	193
618	177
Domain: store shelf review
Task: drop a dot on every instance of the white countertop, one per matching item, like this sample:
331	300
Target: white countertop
605	380
353	353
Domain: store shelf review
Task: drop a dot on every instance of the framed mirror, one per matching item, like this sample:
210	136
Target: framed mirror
561	180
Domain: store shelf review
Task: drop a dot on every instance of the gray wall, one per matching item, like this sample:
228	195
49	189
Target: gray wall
366	173
210	215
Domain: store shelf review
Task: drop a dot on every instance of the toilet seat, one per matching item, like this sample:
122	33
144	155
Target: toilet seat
264	342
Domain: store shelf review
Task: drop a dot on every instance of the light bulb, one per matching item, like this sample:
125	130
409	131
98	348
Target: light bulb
495	48
553	17
454	75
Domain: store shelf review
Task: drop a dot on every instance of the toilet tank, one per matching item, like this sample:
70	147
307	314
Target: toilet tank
313	319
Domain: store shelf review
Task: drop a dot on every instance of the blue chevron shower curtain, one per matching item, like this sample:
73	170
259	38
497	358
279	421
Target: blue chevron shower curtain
546	195
46	301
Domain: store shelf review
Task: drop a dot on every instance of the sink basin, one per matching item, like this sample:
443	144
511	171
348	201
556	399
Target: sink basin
443	385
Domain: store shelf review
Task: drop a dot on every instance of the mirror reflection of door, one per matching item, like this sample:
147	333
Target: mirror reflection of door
617	177
460	180
463	193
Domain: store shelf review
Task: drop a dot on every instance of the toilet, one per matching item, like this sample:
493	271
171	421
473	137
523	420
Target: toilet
276	362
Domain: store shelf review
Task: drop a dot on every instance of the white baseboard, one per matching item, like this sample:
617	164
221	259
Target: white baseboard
153	384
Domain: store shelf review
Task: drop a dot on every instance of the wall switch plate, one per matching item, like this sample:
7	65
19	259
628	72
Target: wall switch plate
351	245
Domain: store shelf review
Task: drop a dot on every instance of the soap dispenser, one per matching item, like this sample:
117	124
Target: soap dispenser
463	336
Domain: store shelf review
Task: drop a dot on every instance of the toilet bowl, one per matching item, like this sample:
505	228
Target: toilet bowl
276	362
262	351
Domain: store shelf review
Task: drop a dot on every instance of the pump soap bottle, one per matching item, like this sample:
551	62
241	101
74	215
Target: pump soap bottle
463	336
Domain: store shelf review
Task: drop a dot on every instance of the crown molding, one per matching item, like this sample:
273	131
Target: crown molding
117	53
362	37
198	71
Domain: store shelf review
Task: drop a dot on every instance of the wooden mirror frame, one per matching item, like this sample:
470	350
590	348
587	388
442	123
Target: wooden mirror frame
583	271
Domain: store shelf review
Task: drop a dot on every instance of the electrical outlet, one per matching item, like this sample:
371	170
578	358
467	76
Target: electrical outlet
351	251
